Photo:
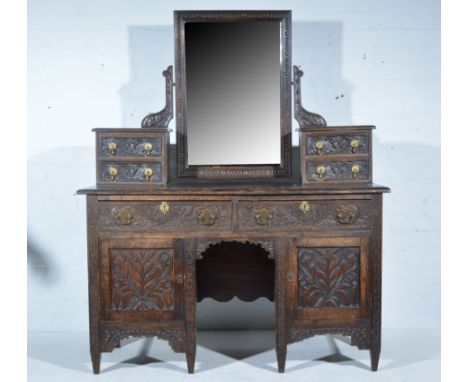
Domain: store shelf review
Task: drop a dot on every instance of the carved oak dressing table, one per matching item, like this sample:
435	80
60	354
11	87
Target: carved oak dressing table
169	226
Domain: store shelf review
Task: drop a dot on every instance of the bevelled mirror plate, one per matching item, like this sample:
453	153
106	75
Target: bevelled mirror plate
233	94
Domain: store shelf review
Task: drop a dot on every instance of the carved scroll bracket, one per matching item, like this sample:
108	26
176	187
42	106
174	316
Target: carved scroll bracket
305	118
161	119
204	244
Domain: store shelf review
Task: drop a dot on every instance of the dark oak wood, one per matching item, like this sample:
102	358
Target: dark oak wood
306	234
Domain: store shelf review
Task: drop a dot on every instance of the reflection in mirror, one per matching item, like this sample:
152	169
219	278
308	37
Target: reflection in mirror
233	74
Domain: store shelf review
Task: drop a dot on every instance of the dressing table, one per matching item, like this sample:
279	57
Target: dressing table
233	209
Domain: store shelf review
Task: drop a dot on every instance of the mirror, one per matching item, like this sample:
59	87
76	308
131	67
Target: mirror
233	95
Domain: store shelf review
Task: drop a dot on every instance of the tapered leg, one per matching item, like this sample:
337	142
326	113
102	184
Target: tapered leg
96	360
190	356
282	250
281	358
375	355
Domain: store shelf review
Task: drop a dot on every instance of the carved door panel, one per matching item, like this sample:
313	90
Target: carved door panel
329	279
141	279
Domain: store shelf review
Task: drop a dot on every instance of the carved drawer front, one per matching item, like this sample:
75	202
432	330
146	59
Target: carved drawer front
326	171
329	278
139	147
124	172
168	215
141	279
294	215
322	145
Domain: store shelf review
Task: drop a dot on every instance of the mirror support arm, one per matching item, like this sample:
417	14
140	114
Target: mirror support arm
305	118
161	119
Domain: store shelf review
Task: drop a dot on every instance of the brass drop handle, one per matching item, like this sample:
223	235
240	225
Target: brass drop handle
304	207
355	170
290	277
319	145
207	216
164	208
263	216
148	148
124	216
112	148
355	145
148	174
320	171
112	173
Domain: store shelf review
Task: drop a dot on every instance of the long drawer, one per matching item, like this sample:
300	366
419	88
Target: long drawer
296	215
165	215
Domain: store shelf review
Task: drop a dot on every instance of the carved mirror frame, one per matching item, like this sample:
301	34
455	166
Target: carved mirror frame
233	171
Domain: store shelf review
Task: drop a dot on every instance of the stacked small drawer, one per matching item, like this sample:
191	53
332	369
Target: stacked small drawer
340	154
131	156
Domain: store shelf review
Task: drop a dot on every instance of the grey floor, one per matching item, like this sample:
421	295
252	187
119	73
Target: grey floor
407	355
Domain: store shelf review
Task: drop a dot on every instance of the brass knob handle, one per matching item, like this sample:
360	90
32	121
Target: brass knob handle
148	174
207	216
164	208
263	216
112	173
112	148
355	170
355	145
319	145
148	148
304	207
320	171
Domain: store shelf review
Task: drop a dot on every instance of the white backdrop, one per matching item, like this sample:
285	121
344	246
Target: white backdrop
98	64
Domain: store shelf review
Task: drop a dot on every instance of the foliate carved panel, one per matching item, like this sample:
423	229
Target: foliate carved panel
111	337
328	277
147	147
177	216
142	279
113	172
342	144
319	215
360	335
337	170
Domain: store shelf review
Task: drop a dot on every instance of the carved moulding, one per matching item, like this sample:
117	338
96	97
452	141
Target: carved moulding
162	118
304	117
111	337
202	245
360	335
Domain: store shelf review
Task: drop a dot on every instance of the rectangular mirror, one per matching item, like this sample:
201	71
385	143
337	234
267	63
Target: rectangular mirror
233	97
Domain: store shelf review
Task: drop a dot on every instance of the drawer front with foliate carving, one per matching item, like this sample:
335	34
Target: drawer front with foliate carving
144	147
165	216
332	145
304	215
326	171
123	172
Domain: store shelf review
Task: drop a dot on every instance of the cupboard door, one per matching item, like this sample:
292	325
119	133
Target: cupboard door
141	279
329	278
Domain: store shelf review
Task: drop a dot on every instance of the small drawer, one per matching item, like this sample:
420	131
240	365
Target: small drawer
167	215
123	172
131	147
326	171
294	215
322	145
